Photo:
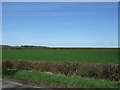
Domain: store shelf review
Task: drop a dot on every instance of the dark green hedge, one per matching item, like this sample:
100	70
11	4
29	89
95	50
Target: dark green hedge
93	70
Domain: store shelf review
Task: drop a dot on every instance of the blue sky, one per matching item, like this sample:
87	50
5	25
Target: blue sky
65	24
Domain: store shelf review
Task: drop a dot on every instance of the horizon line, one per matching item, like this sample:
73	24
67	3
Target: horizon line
63	46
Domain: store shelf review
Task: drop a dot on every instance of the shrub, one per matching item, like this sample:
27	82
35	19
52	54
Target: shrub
7	64
94	70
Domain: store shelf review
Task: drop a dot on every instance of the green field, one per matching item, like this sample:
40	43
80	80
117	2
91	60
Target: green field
74	82
84	55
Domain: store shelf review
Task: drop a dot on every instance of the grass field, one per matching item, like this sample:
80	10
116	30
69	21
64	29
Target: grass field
74	82
84	55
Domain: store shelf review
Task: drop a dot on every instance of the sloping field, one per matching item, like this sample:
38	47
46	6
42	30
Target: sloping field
83	55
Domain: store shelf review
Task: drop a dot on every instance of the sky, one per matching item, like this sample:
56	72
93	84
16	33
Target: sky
60	0
60	24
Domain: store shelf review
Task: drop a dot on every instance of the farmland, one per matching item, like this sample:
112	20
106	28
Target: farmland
66	68
83	55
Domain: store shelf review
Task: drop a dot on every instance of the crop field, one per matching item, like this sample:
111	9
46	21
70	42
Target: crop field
57	70
83	55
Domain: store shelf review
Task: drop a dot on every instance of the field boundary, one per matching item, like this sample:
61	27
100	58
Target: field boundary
92	70
45	47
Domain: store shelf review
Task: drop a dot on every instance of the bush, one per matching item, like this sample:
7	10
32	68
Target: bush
111	72
7	64
94	70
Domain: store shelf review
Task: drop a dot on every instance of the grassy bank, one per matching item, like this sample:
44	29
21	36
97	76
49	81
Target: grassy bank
75	82
84	55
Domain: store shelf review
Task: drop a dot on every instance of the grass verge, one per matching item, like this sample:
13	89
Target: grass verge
74	82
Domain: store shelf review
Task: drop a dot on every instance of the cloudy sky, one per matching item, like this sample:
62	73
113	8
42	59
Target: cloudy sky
60	24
